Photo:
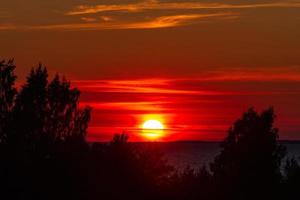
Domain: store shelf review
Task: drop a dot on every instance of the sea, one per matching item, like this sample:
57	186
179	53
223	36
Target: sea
197	154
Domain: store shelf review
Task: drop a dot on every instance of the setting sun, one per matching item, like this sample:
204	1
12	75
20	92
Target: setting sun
152	129
153	124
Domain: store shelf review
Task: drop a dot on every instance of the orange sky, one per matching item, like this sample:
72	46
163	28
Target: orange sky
198	63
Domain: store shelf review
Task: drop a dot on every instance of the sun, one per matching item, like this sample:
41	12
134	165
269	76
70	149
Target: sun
153	129
153	124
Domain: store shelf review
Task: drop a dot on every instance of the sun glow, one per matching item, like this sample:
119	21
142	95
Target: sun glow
152	129
153	124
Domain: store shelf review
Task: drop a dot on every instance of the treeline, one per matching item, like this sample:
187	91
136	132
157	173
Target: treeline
44	154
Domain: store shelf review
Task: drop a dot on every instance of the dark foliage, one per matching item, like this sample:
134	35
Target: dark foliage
44	154
292	180
191	184
42	135
7	95
249	165
122	170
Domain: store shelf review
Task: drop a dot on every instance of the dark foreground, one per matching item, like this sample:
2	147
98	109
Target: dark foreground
44	154
122	170
181	154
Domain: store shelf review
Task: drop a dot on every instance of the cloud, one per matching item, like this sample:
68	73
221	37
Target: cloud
144	86
88	19
94	19
106	18
288	73
158	22
171	21
155	5
194	85
133	106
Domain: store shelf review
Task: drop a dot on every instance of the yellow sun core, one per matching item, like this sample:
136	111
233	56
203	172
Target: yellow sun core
152	129
153	124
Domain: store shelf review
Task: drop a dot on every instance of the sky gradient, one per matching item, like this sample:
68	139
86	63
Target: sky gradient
197	65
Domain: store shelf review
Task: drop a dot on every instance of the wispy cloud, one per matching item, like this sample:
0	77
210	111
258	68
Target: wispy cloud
156	5
158	22
88	19
144	86
171	21
288	73
194	86
133	106
106	18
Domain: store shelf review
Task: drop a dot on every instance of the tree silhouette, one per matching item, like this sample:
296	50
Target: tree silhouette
44	154
49	110
29	111
292	178
191	184
7	95
42	135
127	170
249	164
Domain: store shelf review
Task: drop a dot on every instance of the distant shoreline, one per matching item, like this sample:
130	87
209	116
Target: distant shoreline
190	141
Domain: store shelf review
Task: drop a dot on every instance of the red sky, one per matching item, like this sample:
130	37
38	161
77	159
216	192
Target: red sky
196	64
191	109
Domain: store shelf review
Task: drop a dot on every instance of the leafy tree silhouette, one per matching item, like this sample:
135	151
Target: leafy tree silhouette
7	95
248	166
292	178
44	154
191	184
49	110
29	112
127	170
42	135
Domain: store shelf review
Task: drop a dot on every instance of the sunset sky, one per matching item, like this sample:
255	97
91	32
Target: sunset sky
194	65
